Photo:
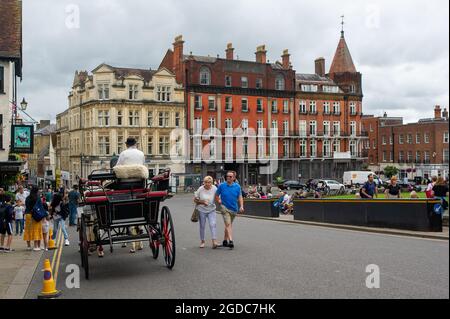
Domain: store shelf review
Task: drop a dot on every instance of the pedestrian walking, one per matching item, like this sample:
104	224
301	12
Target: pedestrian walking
429	189
230	200
74	199
21	194
204	199
393	190
19	210
59	210
369	189
6	218
33	228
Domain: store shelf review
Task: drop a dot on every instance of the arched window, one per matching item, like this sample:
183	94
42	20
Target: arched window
279	82
205	76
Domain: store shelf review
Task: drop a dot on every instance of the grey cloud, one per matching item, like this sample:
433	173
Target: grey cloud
401	47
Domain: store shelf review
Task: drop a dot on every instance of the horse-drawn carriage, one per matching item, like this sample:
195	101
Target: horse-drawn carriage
112	206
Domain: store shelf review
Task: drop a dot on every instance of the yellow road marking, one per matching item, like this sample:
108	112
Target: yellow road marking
58	242
57	262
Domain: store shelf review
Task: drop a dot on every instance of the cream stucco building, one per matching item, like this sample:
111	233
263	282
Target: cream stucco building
112	104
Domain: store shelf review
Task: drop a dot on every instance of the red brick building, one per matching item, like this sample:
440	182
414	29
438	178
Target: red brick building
227	94
330	110
417	149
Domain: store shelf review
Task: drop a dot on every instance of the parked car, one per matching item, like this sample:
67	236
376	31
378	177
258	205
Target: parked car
330	186
293	185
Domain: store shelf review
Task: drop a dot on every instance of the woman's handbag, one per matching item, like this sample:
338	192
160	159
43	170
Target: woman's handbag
194	217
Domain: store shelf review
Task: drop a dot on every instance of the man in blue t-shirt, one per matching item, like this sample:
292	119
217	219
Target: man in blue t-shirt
229	198
369	189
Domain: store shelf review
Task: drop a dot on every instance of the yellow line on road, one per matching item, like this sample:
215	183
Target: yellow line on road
58	243
55	277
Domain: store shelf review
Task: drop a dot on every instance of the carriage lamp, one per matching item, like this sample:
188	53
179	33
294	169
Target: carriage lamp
23	105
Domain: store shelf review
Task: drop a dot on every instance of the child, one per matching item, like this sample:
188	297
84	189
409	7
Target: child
18	216
45	228
6	217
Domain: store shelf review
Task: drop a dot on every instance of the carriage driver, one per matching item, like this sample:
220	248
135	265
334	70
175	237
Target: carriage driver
132	156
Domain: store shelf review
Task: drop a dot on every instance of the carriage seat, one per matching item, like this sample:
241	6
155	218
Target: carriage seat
103	199
130	176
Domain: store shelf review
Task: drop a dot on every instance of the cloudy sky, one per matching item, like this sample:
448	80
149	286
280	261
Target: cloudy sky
400	46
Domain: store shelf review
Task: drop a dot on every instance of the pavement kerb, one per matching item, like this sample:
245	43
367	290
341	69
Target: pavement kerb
355	228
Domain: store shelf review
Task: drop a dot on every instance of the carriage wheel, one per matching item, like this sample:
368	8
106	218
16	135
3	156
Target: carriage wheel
154	243
84	249
168	237
80	241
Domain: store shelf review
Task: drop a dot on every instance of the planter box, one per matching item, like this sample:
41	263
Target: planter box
260	207
400	214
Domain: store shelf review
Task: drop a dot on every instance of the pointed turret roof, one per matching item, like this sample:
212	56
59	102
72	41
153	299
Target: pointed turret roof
342	61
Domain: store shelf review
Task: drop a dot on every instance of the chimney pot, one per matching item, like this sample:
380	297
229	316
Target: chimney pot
437	112
261	54
320	66
230	51
286	63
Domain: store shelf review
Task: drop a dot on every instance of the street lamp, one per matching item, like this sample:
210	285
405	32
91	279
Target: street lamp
23	105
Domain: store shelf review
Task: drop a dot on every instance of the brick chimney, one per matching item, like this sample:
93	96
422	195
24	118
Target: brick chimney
285	57
437	112
261	54
445	114
230	51
178	58
320	66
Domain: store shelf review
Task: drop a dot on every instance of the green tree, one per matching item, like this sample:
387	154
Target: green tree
390	171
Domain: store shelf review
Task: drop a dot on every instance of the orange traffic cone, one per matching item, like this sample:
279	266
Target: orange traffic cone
49	286
51	241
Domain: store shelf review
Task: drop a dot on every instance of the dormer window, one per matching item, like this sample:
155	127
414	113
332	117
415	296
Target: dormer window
133	91
205	76
244	82
279	82
163	93
103	91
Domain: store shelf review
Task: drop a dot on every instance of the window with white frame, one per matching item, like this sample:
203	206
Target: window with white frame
150	145
205	76
384	156
336	146
353	128
326	128
326	107
409	138
353	149
177	119
417	156
330	89
286	128
229	149
426	138
274	106
259	105
279	82
401	156
211	103
261	147
302	128
244	104
417	138
352	108
133	91
337	128
274	127
228	126
198	102
309	88
383	139
119	118
260	127
391	156
312	127
312	107
244	125
426	156
303	148
374	144
336	107
197	149
445	156
400	139
212	123
259	83
212	148
150	118
273	148
163	145
228	104
445	140
286	106
313	148
391	140
103	91
198	126
103	118
163	119
244	82
326	148
286	148
163	93
103	143
410	156
133	118
302	107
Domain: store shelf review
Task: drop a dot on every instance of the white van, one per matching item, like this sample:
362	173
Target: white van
358	178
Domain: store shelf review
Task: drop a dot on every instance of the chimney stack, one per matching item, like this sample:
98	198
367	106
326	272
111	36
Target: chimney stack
437	112
285	57
261	54
320	66
230	51
178	58
445	114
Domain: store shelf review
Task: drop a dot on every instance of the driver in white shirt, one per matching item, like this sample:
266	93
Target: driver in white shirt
131	156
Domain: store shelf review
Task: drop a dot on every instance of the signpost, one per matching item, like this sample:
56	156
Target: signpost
22	139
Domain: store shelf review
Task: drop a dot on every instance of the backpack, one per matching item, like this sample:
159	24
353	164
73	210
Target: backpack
38	212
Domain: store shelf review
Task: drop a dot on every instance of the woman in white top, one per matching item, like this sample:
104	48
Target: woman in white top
204	197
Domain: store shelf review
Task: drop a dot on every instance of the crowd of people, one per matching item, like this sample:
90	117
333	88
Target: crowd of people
31	212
